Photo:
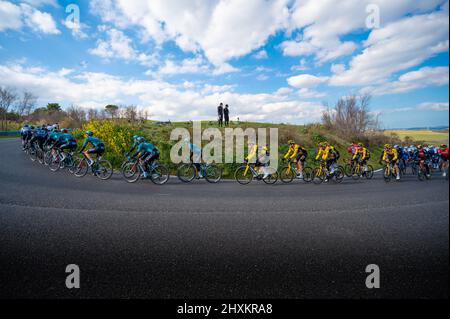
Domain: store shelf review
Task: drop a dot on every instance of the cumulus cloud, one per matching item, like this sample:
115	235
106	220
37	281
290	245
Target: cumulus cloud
414	80
433	106
14	17
395	47
162	99
306	81
221	29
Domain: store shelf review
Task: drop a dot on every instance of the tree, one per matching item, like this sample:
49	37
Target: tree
7	98
77	115
53	107
26	104
350	117
131	113
112	110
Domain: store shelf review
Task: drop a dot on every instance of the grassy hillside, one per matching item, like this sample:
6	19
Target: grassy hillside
118	137
424	136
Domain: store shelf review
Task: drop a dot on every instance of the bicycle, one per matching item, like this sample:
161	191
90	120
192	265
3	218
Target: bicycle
188	171
289	172
422	173
389	171
36	153
134	170
100	168
348	168
246	173
59	161
362	170
321	174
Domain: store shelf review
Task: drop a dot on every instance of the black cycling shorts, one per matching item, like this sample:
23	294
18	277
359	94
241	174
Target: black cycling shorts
150	156
99	150
300	158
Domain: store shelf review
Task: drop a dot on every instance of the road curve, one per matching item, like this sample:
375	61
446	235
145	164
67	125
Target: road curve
217	241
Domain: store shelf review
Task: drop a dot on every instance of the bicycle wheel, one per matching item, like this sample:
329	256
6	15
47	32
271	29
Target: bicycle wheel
338	175
40	156
369	172
286	174
104	170
47	158
387	174
70	164
308	174
55	163
243	175
213	173
356	172
81	167
421	175
186	172
318	176
272	178
131	172
348	170
33	154
159	175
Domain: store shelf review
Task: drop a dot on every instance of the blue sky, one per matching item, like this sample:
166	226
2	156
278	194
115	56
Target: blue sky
271	61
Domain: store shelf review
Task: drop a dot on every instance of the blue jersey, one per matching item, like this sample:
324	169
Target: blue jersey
96	142
40	133
194	149
147	147
66	138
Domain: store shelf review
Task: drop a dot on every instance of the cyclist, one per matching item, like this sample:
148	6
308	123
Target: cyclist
25	133
40	136
328	154
299	154
261	154
195	155
146	153
362	155
423	157
390	155
443	152
98	147
66	141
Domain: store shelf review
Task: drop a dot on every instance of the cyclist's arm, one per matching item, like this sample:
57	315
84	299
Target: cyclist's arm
295	151
86	141
354	155
252	153
287	153
319	154
395	155
364	154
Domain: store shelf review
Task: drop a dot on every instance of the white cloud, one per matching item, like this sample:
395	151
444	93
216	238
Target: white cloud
323	23
309	93
261	55
306	81
39	3
192	66
398	46
337	68
15	17
119	46
414	80
163	100
221	29
433	106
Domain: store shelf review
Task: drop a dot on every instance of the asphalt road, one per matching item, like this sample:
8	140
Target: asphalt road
218	241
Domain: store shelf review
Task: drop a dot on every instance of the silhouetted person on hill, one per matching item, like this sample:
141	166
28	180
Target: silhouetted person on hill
220	114
226	113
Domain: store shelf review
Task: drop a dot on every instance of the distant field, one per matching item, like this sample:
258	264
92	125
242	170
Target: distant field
427	136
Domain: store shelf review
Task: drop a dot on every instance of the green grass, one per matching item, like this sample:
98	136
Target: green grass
423	136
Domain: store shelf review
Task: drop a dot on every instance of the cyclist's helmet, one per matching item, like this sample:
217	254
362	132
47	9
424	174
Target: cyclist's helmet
63	130
32	127
26	125
443	146
140	140
89	133
360	144
135	137
290	142
387	146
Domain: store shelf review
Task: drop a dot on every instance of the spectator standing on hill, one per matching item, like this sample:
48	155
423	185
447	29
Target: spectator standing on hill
220	114
226	113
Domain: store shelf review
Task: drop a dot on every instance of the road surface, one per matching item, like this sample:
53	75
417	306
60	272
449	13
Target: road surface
217	241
